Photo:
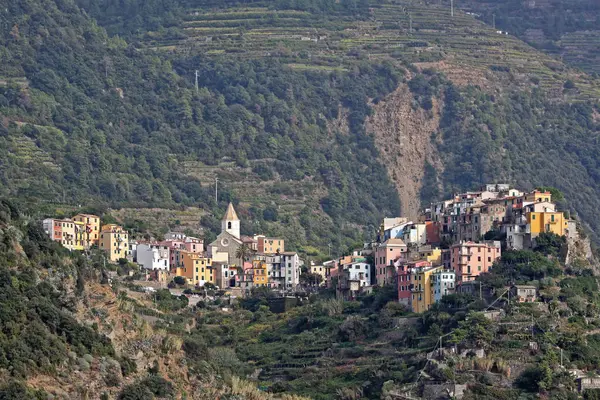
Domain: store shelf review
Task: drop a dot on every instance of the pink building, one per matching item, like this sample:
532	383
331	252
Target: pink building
469	259
176	245
193	245
385	255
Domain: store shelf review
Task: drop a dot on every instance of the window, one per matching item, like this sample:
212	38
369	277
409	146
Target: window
229	225
479	268
552	218
478	258
489	259
533	216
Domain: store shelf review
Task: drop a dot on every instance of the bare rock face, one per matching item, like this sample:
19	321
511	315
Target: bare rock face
403	134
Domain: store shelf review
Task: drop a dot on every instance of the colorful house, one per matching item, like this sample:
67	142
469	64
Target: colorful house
259	273
69	233
537	196
319	270
443	283
91	228
422	288
196	268
550	222
469	259
268	245
114	240
404	284
385	255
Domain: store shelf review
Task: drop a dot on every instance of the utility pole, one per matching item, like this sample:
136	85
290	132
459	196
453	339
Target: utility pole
410	23
216	190
196	81
494	20
452	8
480	292
329	246
561	358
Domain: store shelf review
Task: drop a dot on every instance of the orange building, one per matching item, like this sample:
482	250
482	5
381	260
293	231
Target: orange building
259	271
196	269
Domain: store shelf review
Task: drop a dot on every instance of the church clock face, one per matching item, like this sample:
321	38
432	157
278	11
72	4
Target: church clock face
224	242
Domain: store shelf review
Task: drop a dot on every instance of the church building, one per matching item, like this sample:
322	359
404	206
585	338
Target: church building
223	249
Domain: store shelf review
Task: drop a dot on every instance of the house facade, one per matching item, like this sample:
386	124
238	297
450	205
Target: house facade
114	240
470	259
91	228
385	255
153	256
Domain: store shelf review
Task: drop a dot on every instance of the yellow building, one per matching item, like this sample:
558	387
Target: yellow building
68	238
259	272
537	197
114	240
79	243
422	288
319	270
268	245
196	269
553	222
92	228
435	258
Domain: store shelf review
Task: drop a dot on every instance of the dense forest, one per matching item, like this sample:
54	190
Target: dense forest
90	119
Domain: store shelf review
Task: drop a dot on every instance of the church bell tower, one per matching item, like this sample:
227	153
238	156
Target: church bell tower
231	222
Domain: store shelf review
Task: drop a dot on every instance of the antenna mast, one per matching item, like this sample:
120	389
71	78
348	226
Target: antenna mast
196	81
452	8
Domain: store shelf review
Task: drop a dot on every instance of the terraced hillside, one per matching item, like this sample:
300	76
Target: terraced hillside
568	30
410	31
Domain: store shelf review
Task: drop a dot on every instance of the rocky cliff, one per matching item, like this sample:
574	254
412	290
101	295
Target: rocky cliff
404	136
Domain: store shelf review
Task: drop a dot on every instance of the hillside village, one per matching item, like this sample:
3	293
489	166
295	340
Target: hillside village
452	244
444	252
447	302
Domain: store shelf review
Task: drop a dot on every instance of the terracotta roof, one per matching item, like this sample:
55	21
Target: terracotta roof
394	241
230	215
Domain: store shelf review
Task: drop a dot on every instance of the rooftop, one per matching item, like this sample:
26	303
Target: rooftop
230	214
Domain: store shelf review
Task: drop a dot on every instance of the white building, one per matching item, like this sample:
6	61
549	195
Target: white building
174	236
415	234
443	283
359	271
153	256
290	263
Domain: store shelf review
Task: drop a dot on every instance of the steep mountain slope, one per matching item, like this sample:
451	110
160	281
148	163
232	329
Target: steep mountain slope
87	119
284	92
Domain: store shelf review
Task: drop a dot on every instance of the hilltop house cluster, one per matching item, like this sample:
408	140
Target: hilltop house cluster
445	250
84	231
263	261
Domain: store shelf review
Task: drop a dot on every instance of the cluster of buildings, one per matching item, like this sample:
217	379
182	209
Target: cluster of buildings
231	260
445	250
261	262
84	231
